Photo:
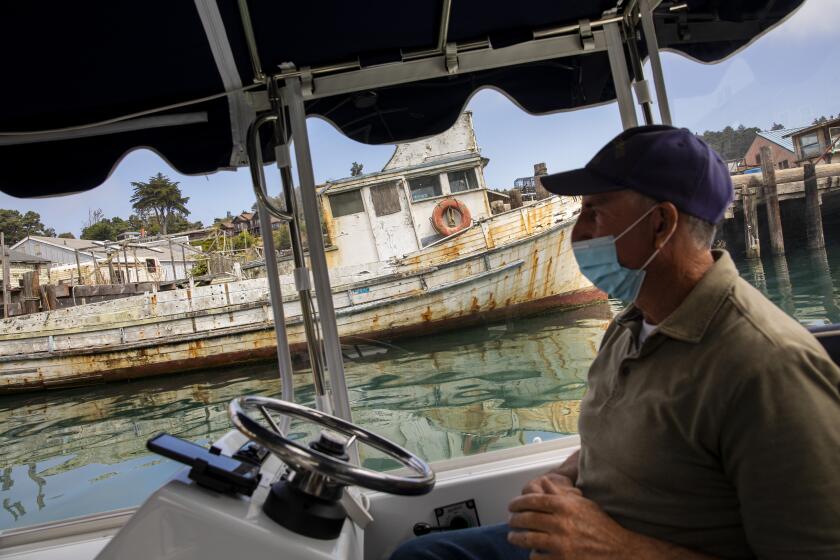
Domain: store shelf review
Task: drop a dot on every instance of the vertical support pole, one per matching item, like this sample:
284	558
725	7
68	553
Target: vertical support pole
640	85
515	198
172	258
136	269
284	356
29	293
6	272
751	237
649	28
111	275
317	257
127	279
771	196
813	215
301	275
78	267
51	298
183	260
620	76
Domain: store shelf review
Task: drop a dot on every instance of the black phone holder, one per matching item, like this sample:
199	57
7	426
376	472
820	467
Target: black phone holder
219	481
210	468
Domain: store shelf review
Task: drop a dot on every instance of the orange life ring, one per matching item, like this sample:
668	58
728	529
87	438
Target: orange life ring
440	223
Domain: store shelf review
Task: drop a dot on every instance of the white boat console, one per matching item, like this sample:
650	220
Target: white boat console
297	504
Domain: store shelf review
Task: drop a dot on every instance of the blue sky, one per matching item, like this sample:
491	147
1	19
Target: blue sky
790	76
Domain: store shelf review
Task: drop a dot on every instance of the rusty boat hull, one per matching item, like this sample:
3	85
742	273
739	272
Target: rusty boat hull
513	264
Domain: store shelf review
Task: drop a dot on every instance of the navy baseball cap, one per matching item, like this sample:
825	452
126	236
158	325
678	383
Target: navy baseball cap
662	162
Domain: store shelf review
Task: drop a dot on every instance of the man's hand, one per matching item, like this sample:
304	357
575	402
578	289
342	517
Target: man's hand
553	519
569	468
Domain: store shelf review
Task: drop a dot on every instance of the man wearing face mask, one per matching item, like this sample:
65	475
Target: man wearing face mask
711	425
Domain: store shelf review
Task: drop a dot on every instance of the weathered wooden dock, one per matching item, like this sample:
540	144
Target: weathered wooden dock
772	186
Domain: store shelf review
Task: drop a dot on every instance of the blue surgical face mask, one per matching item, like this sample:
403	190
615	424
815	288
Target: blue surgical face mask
598	261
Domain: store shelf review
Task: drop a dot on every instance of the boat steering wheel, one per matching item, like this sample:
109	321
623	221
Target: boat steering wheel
339	470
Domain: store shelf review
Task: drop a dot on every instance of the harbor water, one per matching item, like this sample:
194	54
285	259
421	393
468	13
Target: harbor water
75	452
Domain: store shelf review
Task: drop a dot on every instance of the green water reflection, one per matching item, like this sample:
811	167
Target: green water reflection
81	451
802	283
76	452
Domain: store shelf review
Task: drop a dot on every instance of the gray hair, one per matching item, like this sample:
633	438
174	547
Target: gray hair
701	231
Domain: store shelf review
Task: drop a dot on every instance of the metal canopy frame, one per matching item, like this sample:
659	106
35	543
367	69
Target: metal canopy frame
288	90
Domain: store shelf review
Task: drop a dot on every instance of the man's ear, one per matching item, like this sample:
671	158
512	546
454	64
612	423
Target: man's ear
665	220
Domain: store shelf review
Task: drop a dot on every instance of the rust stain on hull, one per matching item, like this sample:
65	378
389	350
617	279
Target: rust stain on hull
211	326
261	347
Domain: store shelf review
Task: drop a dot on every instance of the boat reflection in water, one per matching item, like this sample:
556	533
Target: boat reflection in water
82	451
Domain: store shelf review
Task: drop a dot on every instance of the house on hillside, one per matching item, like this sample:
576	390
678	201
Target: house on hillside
812	142
242	222
374	217
255	228
248	222
781	148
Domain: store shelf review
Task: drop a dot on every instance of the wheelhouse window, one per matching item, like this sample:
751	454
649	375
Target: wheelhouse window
150	265
460	181
346	203
834	137
810	145
424	187
386	199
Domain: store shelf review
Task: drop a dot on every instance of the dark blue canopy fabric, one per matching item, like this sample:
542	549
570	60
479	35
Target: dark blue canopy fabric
69	63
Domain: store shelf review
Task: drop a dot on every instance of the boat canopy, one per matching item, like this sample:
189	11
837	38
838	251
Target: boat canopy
85	83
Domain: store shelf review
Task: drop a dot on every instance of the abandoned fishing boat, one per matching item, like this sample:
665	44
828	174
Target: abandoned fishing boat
392	272
410	72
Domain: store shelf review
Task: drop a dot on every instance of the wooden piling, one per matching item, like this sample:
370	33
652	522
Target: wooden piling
771	198
172	259
751	238
78	267
136	270
813	215
127	279
6	273
515	198
51	298
31	292
184	259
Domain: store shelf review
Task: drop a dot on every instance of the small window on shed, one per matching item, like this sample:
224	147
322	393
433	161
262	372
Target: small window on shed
346	203
834	137
150	265
460	181
386	199
810	144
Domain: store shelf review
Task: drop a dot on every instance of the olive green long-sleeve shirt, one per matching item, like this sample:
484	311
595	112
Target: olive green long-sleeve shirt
722	432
